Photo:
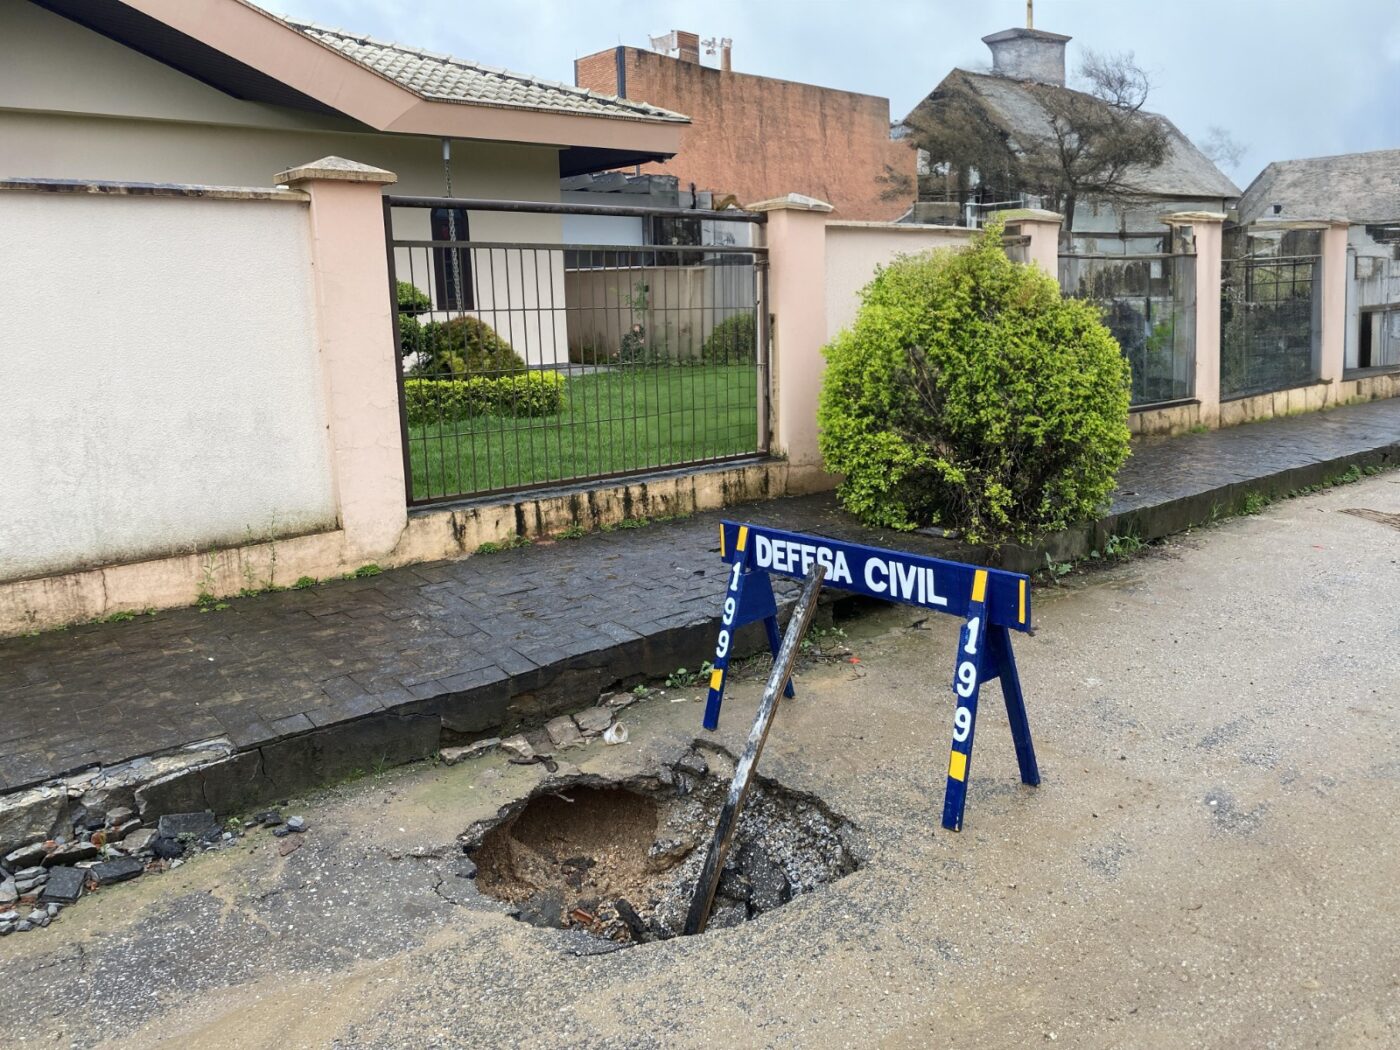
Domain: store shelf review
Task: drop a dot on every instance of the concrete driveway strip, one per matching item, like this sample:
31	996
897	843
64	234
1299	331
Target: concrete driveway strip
1211	860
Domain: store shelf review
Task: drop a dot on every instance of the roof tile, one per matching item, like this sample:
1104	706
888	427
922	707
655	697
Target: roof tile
443	78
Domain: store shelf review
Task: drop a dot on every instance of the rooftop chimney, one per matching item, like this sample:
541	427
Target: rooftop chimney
1028	54
688	46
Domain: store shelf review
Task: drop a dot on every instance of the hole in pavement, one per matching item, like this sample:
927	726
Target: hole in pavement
619	859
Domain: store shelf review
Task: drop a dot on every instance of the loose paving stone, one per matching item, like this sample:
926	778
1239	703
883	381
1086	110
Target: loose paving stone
9	916
71	854
65	886
173	825
23	926
119	832
593	720
167	848
25	856
518	746
114	871
563	733
139	839
296	823
452	755
8	892
88	819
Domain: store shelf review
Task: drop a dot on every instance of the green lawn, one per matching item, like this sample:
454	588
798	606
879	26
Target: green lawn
630	418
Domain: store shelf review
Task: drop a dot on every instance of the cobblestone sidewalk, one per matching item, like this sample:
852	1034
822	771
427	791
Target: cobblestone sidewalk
468	639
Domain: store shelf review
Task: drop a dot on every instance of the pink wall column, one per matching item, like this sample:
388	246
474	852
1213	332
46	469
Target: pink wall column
1207	228
1043	229
1332	353
796	238
356	335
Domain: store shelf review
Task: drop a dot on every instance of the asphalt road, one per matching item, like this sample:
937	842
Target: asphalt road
1212	859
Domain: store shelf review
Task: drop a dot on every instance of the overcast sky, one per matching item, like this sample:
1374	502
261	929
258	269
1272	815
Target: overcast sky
1287	78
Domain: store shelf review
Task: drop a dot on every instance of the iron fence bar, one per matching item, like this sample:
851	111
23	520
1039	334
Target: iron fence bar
1132	257
398	349
763	352
617	249
553	208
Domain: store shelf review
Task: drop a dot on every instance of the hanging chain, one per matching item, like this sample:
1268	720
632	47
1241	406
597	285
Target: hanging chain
452	253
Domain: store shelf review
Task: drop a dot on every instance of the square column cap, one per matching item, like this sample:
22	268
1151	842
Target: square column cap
791	202
336	169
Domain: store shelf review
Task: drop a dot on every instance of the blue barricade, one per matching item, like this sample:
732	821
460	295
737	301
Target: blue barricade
992	603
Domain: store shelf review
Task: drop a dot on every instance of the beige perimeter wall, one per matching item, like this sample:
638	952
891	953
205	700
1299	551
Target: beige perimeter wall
145	410
854	250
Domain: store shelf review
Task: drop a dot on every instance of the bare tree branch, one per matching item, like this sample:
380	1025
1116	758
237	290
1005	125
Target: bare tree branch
1116	79
1222	147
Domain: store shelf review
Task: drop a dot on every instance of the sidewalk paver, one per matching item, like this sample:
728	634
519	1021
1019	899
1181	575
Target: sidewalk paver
461	639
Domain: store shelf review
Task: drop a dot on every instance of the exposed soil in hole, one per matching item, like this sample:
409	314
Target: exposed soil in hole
620	860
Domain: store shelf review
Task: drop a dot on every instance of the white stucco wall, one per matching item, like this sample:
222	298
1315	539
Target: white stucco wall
855	249
160	388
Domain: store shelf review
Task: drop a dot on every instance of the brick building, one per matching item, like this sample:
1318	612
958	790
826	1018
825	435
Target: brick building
757	137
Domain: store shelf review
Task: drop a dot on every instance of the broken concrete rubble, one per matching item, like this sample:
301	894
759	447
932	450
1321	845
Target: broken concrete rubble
452	755
594	720
563	733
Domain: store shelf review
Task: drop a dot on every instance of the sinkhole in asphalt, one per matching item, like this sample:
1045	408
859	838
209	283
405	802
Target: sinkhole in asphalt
620	859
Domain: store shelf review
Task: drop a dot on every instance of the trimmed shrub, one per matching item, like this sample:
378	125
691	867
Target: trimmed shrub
526	394
732	342
459	349
477	344
969	393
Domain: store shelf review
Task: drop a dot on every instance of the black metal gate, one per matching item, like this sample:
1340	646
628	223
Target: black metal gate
1270	310
1146	285
527	361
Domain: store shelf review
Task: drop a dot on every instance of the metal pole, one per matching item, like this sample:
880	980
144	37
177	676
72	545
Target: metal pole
699	915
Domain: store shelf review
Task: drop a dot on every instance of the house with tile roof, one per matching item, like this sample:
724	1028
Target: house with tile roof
222	91
1010	101
225	93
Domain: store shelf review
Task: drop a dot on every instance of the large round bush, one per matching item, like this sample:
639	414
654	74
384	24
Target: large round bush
968	393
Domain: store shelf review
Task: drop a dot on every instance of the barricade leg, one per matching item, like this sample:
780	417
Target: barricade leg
733	597
967	681
775	642
999	645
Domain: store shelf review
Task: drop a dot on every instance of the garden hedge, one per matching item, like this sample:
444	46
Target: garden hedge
525	394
